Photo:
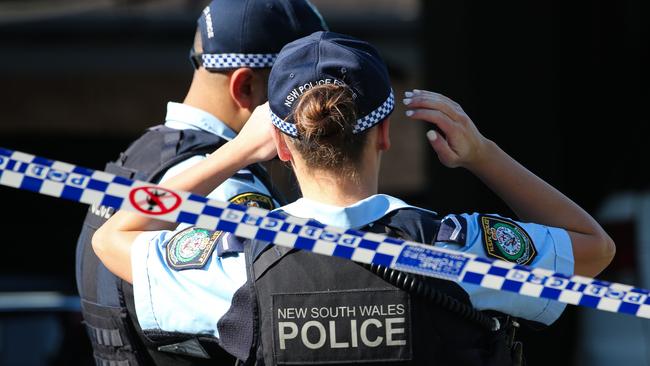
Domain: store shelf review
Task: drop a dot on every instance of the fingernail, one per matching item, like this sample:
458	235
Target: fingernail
407	101
432	135
409	113
408	94
416	91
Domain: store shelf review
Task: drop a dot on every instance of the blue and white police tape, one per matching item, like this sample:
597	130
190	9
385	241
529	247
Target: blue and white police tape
58	179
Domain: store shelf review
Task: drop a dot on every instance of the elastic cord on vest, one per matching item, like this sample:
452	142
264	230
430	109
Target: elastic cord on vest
413	284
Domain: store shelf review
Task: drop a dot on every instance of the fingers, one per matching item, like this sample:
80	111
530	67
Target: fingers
458	142
440	119
430	93
430	100
420	92
446	155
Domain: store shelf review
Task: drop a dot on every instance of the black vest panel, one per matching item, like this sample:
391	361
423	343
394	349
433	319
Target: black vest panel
107	301
302	308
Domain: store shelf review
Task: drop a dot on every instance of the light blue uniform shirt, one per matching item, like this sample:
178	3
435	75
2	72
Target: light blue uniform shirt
191	300
196	299
553	247
554	252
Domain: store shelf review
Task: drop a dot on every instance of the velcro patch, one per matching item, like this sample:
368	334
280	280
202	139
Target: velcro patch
504	239
453	229
191	248
252	199
341	327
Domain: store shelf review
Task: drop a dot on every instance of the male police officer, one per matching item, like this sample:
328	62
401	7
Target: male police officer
235	44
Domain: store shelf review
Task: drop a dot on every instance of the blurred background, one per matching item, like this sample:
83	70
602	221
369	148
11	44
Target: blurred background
561	86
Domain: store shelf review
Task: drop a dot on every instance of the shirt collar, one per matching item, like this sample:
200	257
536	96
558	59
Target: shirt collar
183	116
354	216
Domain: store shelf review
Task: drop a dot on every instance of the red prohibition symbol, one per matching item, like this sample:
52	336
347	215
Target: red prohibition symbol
154	200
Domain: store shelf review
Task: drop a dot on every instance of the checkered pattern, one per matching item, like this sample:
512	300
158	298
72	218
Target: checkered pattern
542	283
362	124
235	60
377	115
286	127
63	180
53	178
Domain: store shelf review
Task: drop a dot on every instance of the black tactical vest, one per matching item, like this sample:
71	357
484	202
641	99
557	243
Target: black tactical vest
107	301
302	308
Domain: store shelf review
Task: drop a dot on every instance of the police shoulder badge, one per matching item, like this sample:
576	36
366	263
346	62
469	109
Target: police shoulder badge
504	239
252	199
191	248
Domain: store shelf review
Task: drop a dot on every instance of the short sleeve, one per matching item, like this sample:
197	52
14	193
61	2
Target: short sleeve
189	300
493	236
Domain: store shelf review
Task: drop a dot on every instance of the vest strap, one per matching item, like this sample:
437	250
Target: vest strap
105	336
267	259
170	144
104	362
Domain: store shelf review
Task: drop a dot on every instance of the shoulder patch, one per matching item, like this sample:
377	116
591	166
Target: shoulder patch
191	248
252	199
453	229
504	239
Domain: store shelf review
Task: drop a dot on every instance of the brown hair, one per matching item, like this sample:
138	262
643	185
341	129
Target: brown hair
325	118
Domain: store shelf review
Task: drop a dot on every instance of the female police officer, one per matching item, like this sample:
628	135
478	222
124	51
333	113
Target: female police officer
330	99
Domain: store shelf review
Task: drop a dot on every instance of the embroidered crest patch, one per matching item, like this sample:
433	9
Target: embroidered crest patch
191	248
252	199
504	239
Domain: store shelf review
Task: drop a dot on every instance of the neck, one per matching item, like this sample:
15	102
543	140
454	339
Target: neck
210	93
336	189
332	189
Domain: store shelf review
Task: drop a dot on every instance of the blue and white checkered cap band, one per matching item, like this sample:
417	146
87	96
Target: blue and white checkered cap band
284	126
58	179
377	115
361	125
235	60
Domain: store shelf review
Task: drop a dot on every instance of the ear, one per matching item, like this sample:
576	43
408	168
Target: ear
241	88
383	135
281	145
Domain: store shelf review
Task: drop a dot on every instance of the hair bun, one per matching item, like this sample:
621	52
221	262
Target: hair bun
325	116
326	112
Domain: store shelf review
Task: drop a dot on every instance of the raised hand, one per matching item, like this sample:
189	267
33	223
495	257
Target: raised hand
256	137
462	144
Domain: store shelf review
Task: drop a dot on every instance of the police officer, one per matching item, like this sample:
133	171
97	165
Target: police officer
330	101
235	45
